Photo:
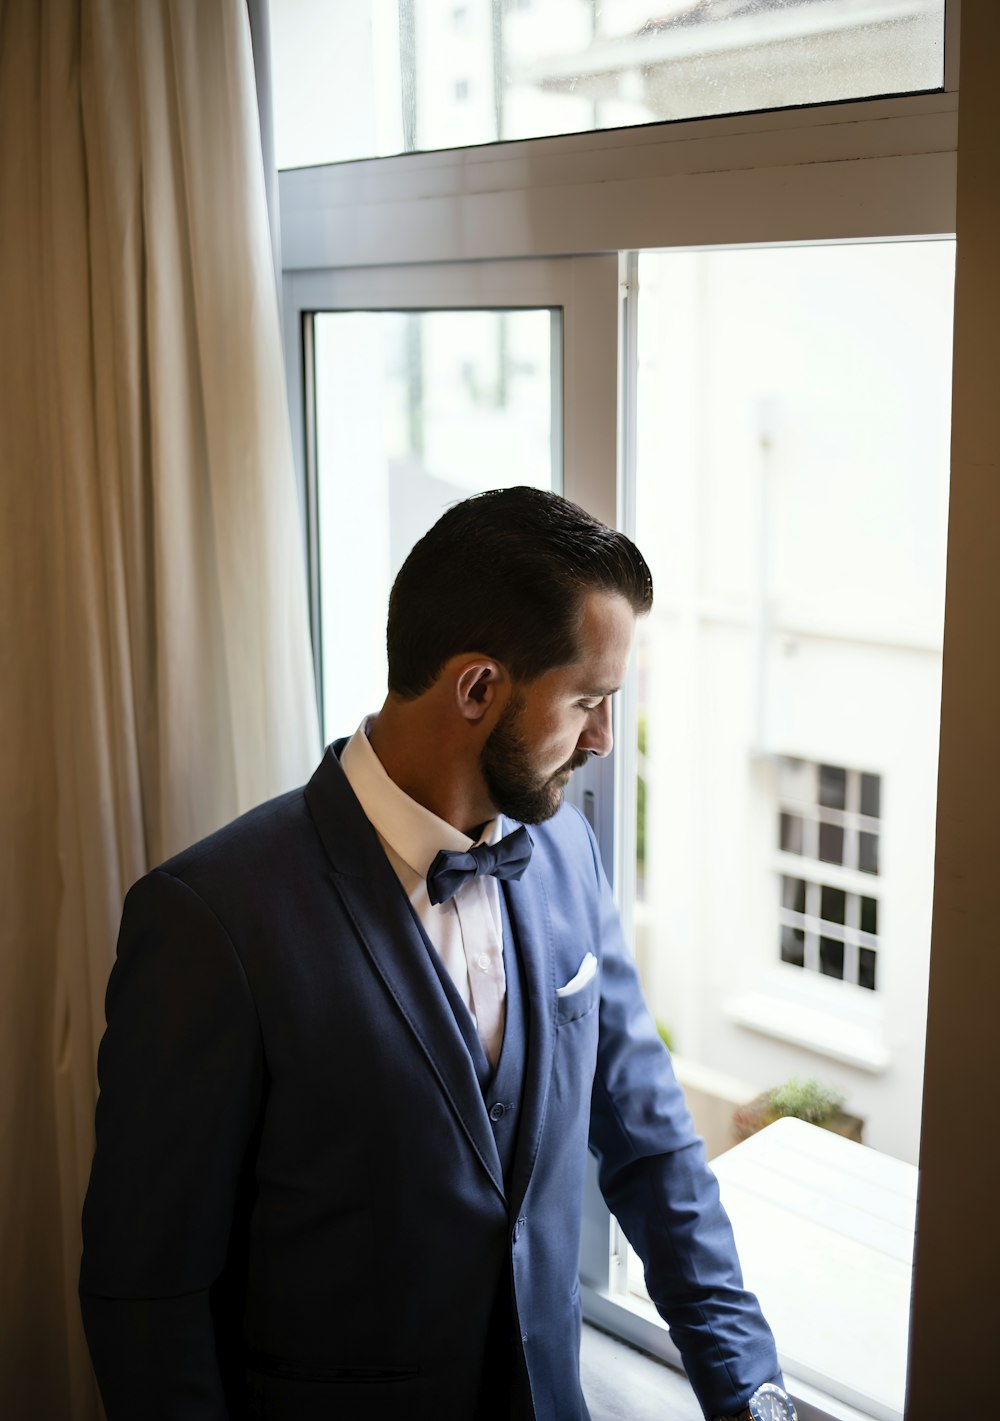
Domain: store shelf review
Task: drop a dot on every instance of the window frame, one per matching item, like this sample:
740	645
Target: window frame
581	289
866	170
857	171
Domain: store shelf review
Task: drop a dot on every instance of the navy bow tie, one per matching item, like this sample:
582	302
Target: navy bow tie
506	859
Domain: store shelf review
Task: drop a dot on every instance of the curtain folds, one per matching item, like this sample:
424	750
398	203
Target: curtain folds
154	647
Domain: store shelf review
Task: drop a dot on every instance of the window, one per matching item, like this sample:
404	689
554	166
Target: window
360	80
413	410
868	175
819	925
791	456
420	388
829	815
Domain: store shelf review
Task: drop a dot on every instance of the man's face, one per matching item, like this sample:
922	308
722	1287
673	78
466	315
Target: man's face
552	725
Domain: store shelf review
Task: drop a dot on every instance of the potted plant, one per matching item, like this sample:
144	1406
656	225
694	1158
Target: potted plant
810	1100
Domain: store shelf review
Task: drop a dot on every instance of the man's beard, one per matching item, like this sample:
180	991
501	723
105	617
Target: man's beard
514	786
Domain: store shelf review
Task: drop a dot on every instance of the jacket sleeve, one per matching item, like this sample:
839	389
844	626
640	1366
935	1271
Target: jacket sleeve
180	1071
653	1174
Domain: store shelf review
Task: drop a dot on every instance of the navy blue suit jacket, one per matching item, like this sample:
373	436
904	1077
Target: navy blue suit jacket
297	1208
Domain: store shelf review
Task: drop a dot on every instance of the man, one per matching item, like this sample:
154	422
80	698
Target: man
359	1041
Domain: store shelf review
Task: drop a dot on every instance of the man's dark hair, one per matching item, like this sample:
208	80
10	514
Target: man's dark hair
505	573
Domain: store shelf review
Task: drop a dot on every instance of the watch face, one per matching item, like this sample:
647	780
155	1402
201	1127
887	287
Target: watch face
770	1403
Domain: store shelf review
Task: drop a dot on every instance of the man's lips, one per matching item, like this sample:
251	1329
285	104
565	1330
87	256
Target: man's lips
576	763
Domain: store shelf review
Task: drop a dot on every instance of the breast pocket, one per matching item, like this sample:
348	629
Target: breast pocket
573	1002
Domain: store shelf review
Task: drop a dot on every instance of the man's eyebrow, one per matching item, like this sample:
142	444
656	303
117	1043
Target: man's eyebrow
611	691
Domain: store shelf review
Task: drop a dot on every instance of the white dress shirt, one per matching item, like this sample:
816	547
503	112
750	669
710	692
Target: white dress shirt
467	930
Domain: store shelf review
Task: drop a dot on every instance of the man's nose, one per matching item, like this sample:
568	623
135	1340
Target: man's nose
598	738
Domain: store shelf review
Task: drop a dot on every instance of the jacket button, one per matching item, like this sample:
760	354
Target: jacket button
496	1111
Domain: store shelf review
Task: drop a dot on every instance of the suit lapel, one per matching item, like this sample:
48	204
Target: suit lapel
532	925
391	936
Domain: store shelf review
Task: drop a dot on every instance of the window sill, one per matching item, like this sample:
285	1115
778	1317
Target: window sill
857	1043
623	1383
825	1232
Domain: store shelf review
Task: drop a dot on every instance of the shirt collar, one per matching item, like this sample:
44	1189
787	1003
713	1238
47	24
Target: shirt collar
413	832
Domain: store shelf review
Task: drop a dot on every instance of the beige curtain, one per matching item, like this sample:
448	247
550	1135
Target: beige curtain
154	657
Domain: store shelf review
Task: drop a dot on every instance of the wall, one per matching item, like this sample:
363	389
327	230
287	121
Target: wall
953	1342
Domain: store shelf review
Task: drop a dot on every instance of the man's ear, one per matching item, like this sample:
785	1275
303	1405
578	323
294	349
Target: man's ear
476	688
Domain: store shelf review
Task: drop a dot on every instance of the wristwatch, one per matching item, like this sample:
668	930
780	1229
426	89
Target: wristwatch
768	1403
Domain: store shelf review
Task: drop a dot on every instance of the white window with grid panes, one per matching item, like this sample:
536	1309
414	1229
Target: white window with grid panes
828	820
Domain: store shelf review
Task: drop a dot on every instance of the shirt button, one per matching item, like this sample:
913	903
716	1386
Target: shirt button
496	1111
483	961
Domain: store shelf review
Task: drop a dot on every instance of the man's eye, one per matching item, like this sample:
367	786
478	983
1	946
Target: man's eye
591	705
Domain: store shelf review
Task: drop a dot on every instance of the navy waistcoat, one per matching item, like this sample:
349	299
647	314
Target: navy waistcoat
503	1088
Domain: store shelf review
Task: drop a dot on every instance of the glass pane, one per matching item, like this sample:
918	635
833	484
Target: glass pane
831	843
870	786
869	915
791	833
374	77
868	853
793	946
796	781
831	957
793	412
414	410
833	905
866	968
793	894
832	786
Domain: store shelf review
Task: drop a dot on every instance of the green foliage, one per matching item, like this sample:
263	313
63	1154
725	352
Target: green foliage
666	1035
805	1099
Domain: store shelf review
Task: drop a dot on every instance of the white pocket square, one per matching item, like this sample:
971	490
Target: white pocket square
586	970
